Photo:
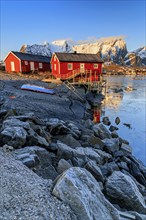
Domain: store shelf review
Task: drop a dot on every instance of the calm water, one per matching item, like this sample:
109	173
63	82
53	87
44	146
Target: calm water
130	106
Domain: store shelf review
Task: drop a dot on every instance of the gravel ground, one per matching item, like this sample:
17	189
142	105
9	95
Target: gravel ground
61	105
26	196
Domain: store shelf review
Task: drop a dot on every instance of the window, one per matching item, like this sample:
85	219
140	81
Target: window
95	66
26	62
82	65
40	65
54	66
70	67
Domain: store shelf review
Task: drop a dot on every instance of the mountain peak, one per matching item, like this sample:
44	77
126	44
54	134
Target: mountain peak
109	49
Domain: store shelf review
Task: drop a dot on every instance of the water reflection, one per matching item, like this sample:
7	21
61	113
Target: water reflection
130	106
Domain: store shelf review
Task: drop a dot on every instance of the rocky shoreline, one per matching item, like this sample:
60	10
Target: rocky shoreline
64	167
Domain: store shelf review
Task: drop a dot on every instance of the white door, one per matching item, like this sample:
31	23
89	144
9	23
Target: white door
82	67
12	66
31	65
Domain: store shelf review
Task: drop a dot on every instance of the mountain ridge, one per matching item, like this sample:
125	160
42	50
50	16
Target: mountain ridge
110	49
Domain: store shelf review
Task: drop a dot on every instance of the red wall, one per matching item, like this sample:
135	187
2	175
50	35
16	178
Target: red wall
23	68
57	63
11	58
62	68
26	68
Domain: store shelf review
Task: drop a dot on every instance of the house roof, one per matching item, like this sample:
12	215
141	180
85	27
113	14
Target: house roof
32	57
78	57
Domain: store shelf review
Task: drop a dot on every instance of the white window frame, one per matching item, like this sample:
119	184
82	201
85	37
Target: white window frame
70	66
82	65
26	62
55	66
95	65
40	66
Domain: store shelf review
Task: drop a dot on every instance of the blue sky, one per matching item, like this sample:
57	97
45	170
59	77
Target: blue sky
30	22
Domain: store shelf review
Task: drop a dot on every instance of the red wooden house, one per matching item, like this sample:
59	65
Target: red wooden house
24	62
68	65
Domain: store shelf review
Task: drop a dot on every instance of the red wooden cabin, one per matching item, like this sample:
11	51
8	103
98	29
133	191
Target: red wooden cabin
24	62
66	65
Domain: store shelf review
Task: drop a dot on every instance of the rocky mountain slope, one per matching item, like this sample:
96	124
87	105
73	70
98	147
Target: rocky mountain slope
112	49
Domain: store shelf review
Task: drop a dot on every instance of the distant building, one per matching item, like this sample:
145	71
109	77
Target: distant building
24	62
85	66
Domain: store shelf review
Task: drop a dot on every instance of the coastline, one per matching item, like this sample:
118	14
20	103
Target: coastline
50	138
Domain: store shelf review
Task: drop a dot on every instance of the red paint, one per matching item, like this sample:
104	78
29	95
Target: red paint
20	65
12	58
62	71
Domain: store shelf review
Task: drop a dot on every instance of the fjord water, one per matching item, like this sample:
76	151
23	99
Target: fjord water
130	107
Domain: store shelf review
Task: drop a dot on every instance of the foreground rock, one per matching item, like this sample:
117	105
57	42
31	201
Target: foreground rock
78	188
24	195
122	189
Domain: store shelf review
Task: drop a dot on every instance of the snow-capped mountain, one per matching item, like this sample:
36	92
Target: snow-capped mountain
136	57
47	49
109	49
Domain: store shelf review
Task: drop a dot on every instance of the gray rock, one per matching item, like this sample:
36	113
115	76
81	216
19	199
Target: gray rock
30	117
57	127
111	145
38	159
96	142
121	189
139	164
64	151
29	162
117	120
123	141
87	152
101	131
33	139
68	140
108	168
13	122
135	171
123	165
74	130
62	166
113	128
127	149
106	121
104	155
93	168
78	188
114	134
13	136
89	123
119	154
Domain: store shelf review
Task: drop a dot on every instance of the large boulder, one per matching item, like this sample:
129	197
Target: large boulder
121	189
38	159
78	188
13	136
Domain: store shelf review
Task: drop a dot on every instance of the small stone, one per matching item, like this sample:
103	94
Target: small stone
117	120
